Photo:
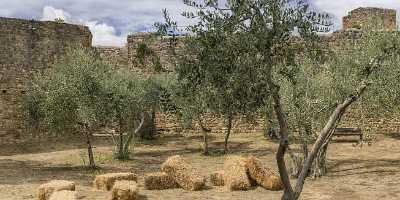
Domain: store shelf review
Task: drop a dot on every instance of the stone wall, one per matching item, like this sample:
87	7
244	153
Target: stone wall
385	123
115	55
161	46
31	46
26	48
376	18
168	123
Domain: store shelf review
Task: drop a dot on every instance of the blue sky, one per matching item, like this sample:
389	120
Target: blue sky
111	20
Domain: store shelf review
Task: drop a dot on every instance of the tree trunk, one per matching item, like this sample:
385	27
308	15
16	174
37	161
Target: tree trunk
205	131
319	167
132	135
325	136
120	145
228	132
121	140
153	124
205	143
283	144
90	149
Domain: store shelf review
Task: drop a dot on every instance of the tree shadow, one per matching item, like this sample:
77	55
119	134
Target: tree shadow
48	145
141	197
395	135
15	172
362	166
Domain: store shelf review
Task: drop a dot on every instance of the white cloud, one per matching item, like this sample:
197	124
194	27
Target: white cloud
49	14
340	8
103	34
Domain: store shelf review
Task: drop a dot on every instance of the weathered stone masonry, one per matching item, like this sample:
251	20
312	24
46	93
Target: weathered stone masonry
30	46
27	47
376	18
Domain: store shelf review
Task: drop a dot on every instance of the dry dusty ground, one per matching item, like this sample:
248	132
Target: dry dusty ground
370	172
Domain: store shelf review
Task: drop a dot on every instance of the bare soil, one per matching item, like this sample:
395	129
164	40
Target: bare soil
370	172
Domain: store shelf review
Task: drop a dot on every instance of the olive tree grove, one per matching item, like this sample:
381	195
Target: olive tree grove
214	70
274	44
68	98
83	94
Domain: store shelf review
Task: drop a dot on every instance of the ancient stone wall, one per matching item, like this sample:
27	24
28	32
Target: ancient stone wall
385	123
27	47
30	46
335	41
160	46
115	55
169	123
375	18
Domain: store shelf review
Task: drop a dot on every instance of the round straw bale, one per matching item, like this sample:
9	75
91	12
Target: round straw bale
159	181
124	190
217	178
264	176
235	174
45	190
64	195
183	173
106	181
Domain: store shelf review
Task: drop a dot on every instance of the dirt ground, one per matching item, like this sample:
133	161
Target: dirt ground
370	172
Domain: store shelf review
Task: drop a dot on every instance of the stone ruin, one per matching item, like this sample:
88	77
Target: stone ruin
27	47
374	18
30	46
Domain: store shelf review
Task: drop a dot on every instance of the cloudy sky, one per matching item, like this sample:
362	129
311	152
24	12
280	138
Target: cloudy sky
111	20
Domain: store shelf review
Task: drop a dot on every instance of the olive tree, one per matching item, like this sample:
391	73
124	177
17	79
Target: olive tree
272	25
69	97
278	33
215	66
126	108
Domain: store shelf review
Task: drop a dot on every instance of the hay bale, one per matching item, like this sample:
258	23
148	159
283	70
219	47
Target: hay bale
183	173
235	174
264	176
124	190
64	195
159	181
106	181
217	178
47	189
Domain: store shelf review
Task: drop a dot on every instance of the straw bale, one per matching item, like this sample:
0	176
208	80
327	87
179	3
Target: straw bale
125	190
217	178
235	174
159	181
264	176
106	181
183	173
64	195
45	190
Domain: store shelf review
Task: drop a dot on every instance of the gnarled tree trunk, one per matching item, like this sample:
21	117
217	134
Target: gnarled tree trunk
205	132
228	132
88	136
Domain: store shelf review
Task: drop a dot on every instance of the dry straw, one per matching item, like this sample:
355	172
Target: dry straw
47	189
159	181
217	178
64	195
264	176
125	190
183	173
106	181
235	173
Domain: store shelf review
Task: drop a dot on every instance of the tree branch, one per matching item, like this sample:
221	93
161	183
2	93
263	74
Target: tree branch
324	135
283	142
128	140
